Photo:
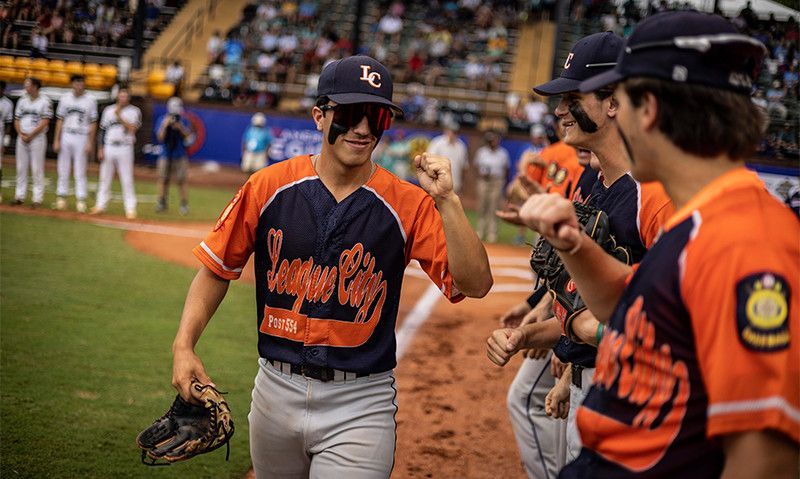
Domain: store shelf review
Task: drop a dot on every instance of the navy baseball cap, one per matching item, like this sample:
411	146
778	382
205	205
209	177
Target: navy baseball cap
687	47
357	79
589	56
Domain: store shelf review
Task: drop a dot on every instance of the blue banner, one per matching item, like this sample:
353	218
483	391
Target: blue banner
218	136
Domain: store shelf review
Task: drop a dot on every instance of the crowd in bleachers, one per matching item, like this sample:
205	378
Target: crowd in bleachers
89	22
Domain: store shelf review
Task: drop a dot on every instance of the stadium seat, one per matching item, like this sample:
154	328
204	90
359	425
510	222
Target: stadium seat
59	78
6	61
91	69
74	68
109	72
156	76
43	76
95	82
57	66
22	63
162	91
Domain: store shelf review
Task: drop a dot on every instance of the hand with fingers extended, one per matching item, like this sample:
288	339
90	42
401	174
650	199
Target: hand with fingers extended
503	344
434	176
553	216
556	403
186	369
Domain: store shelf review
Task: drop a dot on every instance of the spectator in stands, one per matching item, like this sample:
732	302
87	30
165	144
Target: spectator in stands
415	102
497	39
492	73
493	163
11	36
38	43
535	109
255	144
175	134
214	46
449	145
174	75
759	100
307	11
790	77
390	25
474	72
775	96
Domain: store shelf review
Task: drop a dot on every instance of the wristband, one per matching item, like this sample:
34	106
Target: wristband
598	335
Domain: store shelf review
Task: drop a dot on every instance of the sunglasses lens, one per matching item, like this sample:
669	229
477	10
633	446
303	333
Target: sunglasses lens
379	118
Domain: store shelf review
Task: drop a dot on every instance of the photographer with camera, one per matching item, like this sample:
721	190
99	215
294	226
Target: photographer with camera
174	134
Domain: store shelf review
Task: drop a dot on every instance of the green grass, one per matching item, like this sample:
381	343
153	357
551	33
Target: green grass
205	203
506	232
86	326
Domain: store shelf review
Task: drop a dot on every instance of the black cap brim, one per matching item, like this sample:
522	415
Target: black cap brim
557	86
599	81
350	98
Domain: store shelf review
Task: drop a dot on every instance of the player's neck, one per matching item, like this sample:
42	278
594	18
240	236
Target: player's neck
684	175
610	151
341	179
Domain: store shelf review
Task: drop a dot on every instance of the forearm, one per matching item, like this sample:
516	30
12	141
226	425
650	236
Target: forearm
466	256
585	328
57	132
600	278
17	127
204	297
92	133
759	454
543	335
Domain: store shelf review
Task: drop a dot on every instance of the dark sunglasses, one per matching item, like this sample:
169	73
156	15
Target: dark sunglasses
379	117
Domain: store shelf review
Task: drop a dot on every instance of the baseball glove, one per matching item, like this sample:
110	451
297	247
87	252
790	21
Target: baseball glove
187	430
548	266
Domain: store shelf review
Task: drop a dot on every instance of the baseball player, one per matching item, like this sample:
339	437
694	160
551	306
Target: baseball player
118	123
332	234
255	144
31	120
635	211
174	133
698	371
73	140
6	116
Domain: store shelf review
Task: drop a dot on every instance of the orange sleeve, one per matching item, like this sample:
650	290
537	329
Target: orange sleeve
428	246
226	249
743	302
654	210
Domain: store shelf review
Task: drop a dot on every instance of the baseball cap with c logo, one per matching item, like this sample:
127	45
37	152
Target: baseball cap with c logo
357	79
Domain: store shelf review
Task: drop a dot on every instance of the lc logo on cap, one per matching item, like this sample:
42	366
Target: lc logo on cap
569	59
373	78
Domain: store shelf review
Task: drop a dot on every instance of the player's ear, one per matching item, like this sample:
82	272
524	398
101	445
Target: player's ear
318	115
613	106
648	112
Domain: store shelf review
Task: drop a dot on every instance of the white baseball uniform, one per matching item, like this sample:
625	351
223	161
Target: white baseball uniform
6	116
77	113
30	113
118	145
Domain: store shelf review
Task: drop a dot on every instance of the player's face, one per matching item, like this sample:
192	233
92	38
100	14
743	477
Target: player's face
353	148
123	98
78	86
581	116
632	135
30	88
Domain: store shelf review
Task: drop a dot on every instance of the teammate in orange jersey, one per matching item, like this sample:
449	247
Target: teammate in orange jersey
698	369
332	234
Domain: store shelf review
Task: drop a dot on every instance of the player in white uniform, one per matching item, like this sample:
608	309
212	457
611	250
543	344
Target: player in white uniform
31	120
118	123
76	127
6	116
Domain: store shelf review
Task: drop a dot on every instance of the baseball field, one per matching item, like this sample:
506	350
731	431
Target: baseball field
89	307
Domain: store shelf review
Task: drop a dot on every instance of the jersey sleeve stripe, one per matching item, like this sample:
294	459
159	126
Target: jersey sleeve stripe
639	211
698	221
773	402
218	260
288	185
391	210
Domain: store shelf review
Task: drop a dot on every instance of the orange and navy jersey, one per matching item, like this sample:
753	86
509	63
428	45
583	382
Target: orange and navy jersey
561	170
636	211
328	274
704	342
584	185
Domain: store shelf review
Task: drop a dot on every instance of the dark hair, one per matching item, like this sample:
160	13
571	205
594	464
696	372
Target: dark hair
702	120
35	82
322	101
77	77
605	92
2	84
